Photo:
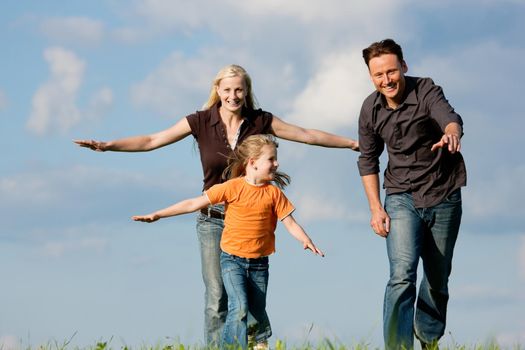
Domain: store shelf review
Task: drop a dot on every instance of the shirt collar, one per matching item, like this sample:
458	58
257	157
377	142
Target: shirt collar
215	116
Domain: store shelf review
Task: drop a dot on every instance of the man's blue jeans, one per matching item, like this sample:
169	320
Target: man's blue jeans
429	234
246	282
209	231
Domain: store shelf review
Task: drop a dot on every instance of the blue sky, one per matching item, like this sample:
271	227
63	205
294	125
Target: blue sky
73	264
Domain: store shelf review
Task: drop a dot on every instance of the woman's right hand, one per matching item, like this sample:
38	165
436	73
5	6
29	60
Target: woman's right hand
93	145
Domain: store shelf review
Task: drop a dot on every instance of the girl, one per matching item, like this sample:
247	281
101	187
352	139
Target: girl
253	205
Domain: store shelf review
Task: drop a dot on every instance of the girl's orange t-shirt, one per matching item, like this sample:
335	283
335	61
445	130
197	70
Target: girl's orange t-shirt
251	216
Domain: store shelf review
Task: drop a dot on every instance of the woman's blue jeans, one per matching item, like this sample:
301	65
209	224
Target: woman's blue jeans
246	282
209	231
429	234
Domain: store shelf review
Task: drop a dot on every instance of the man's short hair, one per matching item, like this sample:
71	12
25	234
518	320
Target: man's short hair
383	47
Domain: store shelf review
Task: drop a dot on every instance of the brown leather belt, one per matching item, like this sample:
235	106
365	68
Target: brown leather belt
212	213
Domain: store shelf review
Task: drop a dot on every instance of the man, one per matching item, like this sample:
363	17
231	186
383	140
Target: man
423	180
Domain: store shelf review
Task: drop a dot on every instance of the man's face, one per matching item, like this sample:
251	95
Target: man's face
388	76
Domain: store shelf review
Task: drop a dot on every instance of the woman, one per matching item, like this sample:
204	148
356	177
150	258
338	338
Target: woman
227	118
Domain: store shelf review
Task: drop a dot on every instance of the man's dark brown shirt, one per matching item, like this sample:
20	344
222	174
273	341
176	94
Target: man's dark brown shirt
409	131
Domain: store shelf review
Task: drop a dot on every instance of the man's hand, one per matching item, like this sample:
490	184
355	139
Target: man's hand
452	141
451	138
380	222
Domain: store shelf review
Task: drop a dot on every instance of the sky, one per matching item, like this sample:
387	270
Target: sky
75	269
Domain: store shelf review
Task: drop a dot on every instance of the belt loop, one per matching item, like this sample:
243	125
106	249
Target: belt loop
209	211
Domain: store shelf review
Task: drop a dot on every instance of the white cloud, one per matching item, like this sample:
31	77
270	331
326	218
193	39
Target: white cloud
199	13
317	11
153	18
3	100
179	83
57	188
315	206
333	97
73	30
168	12
331	56
492	195
242	30
264	25
50	187
24	188
54	105
100	102
484	3
54	102
330	100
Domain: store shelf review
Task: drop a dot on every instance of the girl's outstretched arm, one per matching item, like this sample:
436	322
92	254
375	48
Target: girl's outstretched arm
297	231
182	207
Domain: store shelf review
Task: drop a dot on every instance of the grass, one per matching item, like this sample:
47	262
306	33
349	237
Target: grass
324	344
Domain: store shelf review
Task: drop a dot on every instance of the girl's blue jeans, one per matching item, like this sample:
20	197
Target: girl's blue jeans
246	282
429	234
209	231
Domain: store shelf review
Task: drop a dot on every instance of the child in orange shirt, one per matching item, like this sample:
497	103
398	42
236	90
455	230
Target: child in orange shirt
253	206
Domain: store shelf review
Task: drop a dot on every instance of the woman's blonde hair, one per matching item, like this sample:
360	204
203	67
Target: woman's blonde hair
231	71
251	148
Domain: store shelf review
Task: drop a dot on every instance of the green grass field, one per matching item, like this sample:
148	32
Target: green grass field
325	344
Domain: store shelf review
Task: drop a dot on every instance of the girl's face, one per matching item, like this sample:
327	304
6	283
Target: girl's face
266	165
232	92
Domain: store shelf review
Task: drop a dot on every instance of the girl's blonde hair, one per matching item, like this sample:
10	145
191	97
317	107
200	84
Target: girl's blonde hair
231	71
251	148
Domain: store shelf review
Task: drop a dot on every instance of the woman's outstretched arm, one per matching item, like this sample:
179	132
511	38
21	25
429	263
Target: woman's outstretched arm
296	133
141	143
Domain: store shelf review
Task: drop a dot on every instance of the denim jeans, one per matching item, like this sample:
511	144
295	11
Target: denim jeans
209	231
429	234
246	282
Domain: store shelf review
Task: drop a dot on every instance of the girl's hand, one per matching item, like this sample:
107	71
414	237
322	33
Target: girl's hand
146	218
310	245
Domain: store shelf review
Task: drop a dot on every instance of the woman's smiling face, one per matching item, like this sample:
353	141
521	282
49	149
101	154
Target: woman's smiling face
232	92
